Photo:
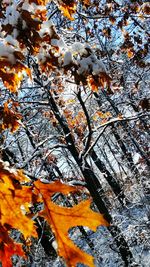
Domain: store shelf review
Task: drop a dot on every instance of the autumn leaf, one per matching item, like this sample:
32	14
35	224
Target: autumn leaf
53	188
104	79
112	19
39	2
102	115
12	78
61	219
68	9
86	2
14	200
100	80
107	32
92	84
32	21
146	9
11	174
10	119
12	212
130	53
8	248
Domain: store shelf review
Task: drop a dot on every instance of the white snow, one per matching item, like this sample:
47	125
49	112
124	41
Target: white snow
7	51
11	40
67	58
78	47
12	15
46	28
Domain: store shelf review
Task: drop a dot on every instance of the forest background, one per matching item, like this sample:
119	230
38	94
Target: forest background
74	133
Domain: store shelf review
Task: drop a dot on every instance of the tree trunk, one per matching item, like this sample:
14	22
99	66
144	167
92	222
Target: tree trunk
114	230
124	125
109	178
127	154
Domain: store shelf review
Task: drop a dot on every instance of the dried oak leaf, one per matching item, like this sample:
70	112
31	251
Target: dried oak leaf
86	2
93	84
10	119
8	248
101	80
61	219
112	19
68	8
39	2
146	9
14	202
12	78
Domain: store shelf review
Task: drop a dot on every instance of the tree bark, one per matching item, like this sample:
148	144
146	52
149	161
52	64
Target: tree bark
114	230
109	178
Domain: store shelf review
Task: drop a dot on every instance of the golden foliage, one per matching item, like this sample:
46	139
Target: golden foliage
14	202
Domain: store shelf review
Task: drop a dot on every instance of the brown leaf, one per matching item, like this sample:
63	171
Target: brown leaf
112	19
10	119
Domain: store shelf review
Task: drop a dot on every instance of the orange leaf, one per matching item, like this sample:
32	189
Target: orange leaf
8	248
104	79
13	74
61	219
14	200
130	53
87	2
92	84
112	19
52	188
146	9
95	82
68	9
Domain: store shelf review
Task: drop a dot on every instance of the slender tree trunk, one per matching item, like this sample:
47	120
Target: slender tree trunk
124	125
102	152
127	154
120	165
44	237
136	109
114	230
109	178
122	146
